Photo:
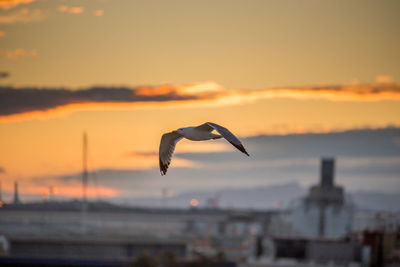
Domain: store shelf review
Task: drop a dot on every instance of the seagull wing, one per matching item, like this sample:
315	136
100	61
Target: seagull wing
167	147
206	127
230	137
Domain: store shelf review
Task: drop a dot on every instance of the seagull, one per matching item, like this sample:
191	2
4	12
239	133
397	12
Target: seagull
198	133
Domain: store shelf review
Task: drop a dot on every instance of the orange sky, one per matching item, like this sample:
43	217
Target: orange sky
50	144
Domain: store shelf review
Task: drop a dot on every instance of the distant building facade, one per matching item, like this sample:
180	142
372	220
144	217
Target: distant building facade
367	220
324	212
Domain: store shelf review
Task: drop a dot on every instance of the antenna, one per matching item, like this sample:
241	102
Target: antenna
84	185
84	172
1	193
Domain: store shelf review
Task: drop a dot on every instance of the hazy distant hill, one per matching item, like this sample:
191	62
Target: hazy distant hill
377	201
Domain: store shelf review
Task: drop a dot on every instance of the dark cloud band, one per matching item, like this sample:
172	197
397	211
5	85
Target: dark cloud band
27	100
17	101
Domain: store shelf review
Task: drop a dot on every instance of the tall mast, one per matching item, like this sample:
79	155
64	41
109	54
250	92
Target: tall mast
1	193
84	185
85	171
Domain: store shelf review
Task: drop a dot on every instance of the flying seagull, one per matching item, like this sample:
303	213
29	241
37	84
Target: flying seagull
198	133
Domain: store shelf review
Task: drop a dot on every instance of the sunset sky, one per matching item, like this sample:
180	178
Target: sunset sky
128	71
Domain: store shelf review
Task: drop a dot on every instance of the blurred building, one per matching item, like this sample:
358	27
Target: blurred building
383	247
324	212
99	247
365	220
316	232
110	232
321	251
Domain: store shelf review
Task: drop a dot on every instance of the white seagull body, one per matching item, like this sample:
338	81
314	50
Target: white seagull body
198	133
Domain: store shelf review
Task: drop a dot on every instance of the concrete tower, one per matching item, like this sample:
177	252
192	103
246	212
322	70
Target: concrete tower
323	212
327	172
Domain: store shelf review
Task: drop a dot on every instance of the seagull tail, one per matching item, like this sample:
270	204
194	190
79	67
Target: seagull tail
217	137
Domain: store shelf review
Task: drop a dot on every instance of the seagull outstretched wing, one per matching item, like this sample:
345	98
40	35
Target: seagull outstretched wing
167	147
230	137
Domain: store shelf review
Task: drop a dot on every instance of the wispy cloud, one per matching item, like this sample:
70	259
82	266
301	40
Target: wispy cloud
37	101
4	74
8	4
23	15
358	92
2	170
384	79
15	54
2	34
99	13
71	9
19	53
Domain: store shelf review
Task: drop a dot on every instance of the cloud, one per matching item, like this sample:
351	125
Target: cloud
15	54
39	102
4	74
70	9
8	4
384	79
2	34
14	101
19	53
99	13
358	92
23	15
2	170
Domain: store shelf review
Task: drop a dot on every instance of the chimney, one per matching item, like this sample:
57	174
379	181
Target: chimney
327	172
